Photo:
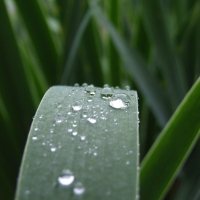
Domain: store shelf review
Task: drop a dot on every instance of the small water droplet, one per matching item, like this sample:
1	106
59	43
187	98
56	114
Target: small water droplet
128	163
66	178
51	130
95	154
70	130
34	138
90	99
92	120
59	118
90	89
77	105
107	93
83	137
85	85
36	129
105	85
74	123
53	149
27	192
120	101
76	85
41	116
128	87
79	189
74	133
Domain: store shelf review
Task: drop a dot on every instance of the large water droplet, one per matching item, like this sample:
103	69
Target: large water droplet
79	189
59	118
120	101
90	89
107	93
66	178
77	105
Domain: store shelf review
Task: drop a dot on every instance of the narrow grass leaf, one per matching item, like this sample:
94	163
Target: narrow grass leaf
76	42
157	27
172	148
41	36
139	72
82	145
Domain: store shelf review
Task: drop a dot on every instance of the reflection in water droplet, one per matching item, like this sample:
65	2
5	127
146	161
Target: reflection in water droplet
92	120
66	178
107	93
79	189
59	118
120	101
77	105
90	89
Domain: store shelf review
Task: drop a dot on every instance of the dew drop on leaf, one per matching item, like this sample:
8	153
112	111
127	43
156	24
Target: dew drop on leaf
90	89
77	105
107	93
120	101
92	120
59	118
66	178
79	189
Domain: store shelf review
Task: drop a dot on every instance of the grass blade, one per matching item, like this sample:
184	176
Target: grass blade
173	146
155	21
139	72
40	34
76	42
97	143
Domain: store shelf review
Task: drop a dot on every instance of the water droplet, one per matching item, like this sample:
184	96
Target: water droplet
128	163
105	85
27	192
74	123
85	85
66	178
53	149
76	85
34	138
92	120
59	118
77	105
41	116
120	101
79	189
127	87
70	130
84	113
36	129
51	130
83	137
74	133
95	154
90	89
107	93
90	99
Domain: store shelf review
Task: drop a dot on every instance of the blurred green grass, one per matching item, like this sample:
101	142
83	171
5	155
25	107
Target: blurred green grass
152	46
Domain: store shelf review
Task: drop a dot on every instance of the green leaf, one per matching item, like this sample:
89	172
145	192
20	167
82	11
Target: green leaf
171	149
77	131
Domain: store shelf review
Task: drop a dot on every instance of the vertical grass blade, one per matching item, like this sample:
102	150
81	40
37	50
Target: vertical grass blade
172	148
79	147
41	37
